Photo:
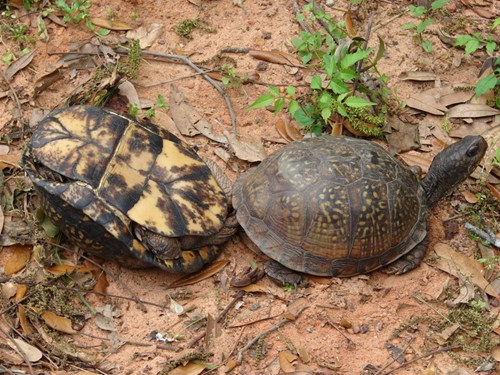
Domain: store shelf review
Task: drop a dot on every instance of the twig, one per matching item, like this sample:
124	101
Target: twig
419	357
382	24
136	343
221	315
488	235
273	328
18	103
395	359
297	10
174	79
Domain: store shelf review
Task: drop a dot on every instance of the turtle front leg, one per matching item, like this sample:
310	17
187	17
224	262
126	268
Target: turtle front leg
410	260
163	247
282	275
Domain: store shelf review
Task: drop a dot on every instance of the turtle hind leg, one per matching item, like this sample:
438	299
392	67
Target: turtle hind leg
410	260
282	275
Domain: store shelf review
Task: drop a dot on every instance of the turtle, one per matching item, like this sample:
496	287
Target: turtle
340	206
128	190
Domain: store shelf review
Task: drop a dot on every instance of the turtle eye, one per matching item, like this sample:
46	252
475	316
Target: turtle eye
472	151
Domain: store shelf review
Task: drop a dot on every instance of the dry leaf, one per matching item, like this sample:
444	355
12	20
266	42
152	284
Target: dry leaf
281	129
255	288
127	89
459	265
18	259
301	350
349	25
146	35
110	24
286	358
494	191
229	366
59	323
9	289
20	292
189	369
66	269
10	160
252	152
30	352
105	323
426	103
297	306
417	158
23	320
470	197
417	76
18	65
472	111
101	283
276	57
205	273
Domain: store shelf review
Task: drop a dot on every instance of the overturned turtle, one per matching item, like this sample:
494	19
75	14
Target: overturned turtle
129	191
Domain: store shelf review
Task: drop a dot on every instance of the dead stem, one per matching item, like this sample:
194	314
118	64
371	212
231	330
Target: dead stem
18	348
273	328
379	372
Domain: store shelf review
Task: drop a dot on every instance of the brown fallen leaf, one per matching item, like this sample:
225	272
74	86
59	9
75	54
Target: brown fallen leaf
66	269
47	80
301	349
470	197
18	259
472	111
20	292
11	160
418	76
349	25
18	65
23	320
494	191
419	159
252	152
59	323
205	273
276	57
286	360
115	25
426	103
298	305
189	369
445	334
459	265
255	288
101	283
146	35
280	128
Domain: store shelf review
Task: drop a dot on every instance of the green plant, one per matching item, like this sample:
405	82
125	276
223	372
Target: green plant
424	15
230	77
135	111
77	11
8	57
134	16
336	58
491	262
186	27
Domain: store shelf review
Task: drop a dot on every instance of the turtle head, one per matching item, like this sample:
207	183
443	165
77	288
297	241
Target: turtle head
452	166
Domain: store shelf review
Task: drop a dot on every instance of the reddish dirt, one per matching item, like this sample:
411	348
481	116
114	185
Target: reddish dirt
372	305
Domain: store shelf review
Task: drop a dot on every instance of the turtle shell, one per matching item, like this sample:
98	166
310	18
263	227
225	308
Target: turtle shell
99	174
331	206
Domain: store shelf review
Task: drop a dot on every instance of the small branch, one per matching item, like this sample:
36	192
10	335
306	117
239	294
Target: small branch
18	348
487	236
221	316
297	10
395	359
382	24
273	328
421	356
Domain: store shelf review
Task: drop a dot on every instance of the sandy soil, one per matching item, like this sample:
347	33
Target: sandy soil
347	323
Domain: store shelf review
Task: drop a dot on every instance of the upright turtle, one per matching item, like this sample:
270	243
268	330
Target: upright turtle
128	191
339	206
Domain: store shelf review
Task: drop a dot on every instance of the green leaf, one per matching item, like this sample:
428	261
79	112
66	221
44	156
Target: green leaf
496	23
491	47
290	90
438	4
326	113
427	45
356	102
417	11
262	101
306	57
408	26
352	58
471	46
293	106
50	229
462	40
485	84
103	32
337	86
330	64
274	90
278	105
341	110
346	75
316	83
302	118
423	25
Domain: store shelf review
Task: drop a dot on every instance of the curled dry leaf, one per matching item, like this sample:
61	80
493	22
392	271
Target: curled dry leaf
127	89
276	57
459	265
418	76
20	292
59	323
472	111
207	272
66	269
115	25
9	289
29	352
301	350
189	369
349	25
23	320
18	65
470	197
19	257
